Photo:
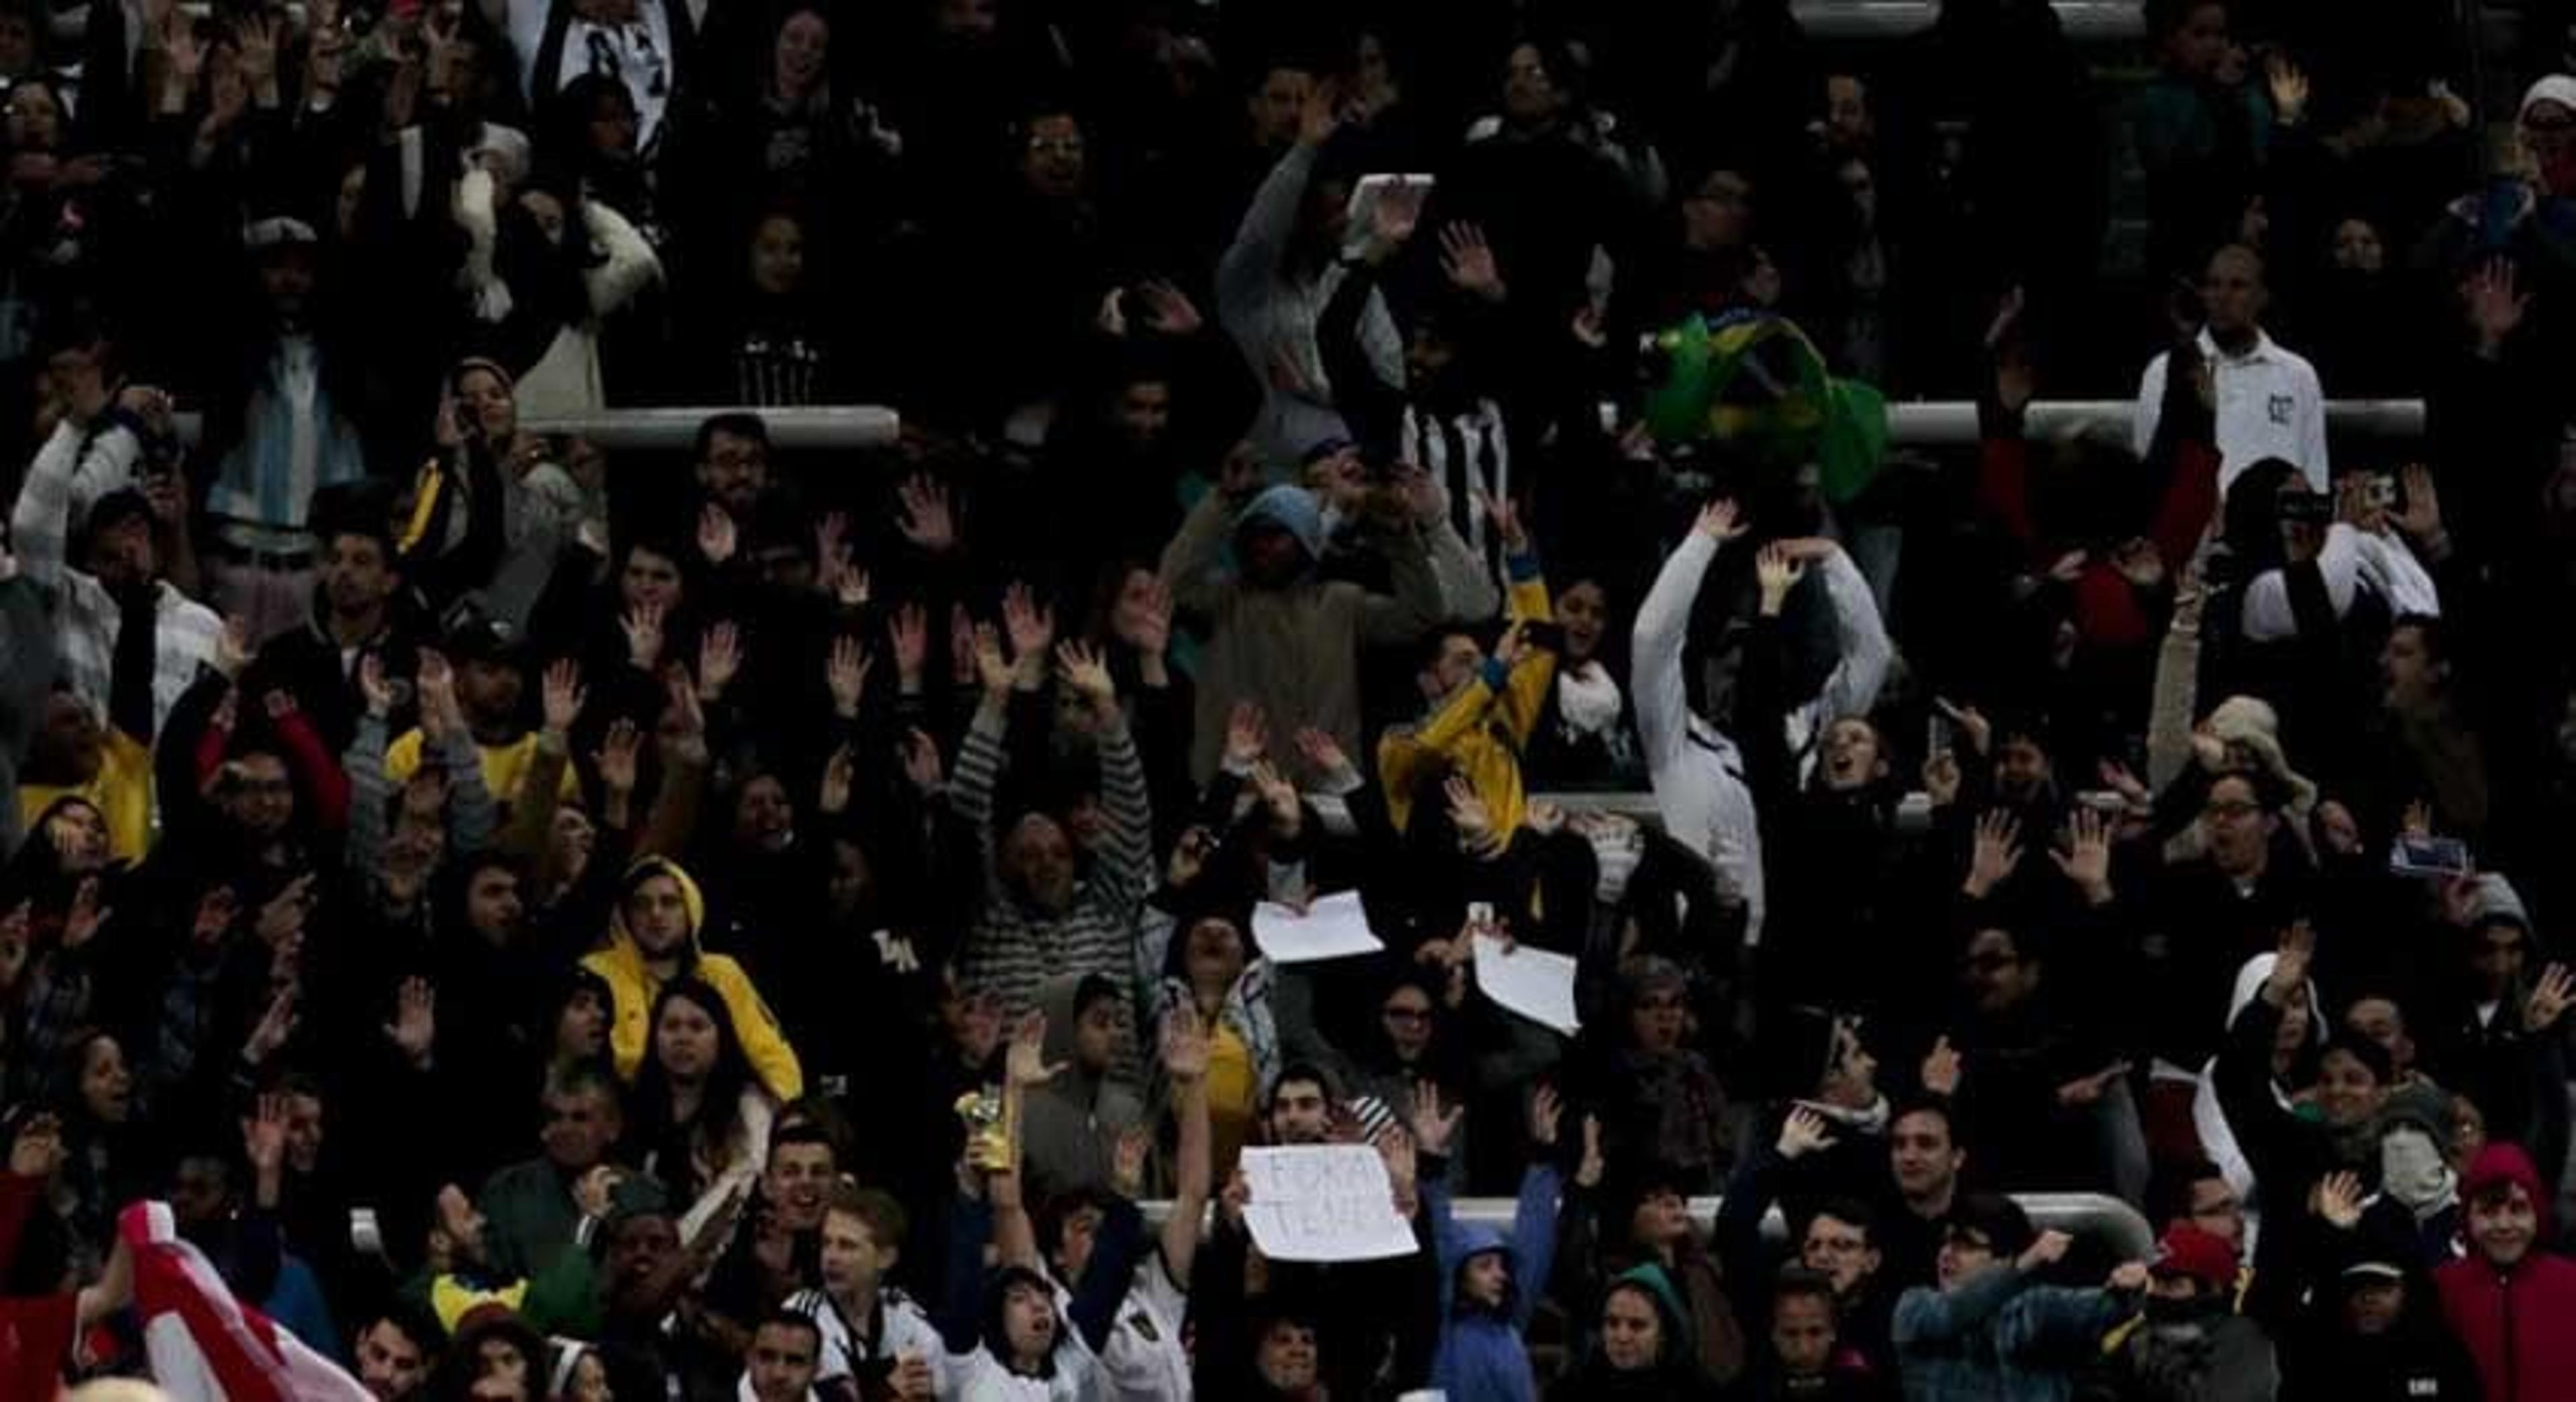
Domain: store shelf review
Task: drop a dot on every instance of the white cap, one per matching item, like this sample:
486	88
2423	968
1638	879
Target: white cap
2557	87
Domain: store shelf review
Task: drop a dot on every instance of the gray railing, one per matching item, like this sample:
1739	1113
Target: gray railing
2084	1216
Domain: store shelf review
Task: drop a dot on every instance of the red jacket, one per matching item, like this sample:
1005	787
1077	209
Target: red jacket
2519	1324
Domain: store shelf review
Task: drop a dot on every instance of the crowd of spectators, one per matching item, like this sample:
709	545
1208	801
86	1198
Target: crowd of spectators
555	921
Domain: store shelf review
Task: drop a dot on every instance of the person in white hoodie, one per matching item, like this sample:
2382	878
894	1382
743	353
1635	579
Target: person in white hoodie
1695	768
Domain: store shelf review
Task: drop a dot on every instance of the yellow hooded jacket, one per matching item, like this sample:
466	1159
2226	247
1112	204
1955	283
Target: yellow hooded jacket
1482	729
634	988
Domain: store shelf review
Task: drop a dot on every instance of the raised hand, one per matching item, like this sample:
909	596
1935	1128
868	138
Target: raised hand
717	536
2288	84
2337	1201
1941	1068
990	666
642	626
1996	853
414	1029
1397	213
264	1134
563	695
1468	261
2548	1001
1804	1132
615	759
833	798
1433	1123
1546	1111
2087	860
232	647
1476	835
684	725
909	630
1031	624
1185	1045
1778	572
1321	752
2128	1278
1145	624
1127	1160
281	917
1083	669
1594	1165
926	518
2290	966
2495	303
1247	735
846	674
1287	811
719	659
2422	518
1026	1063
1722	520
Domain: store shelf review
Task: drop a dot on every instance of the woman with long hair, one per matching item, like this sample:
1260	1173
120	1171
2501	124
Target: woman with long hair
702	1120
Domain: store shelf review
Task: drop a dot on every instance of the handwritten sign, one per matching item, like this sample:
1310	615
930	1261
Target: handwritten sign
1536	983
1333	927
1323	1202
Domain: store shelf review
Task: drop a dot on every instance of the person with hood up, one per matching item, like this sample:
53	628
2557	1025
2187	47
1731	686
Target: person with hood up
1489	1286
1276	634
2286	1116
2510	1300
1075	1122
652	939
1643	1349
2190	1344
2370	1327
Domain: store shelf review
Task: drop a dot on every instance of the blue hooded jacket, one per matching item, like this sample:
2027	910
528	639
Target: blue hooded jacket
1481	1355
1292	509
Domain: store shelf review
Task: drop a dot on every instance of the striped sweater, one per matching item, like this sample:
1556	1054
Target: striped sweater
1015	946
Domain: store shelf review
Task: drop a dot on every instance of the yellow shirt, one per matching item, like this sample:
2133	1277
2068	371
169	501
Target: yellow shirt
121	791
503	765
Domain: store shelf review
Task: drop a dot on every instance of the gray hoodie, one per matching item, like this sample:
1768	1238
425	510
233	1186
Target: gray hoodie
1070	1127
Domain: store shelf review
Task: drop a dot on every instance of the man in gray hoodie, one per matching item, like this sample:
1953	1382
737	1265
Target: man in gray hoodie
1071	1125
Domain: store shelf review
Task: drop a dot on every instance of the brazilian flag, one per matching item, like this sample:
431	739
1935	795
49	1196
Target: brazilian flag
1754	383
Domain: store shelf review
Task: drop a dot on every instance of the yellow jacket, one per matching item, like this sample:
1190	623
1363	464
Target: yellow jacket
633	988
504	766
121	791
1481	729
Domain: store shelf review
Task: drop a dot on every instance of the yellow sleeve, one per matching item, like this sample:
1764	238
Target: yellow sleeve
763	1044
125	796
1402	754
1525	693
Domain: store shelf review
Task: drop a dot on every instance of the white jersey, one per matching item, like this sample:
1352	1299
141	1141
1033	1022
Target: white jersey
850	1348
1143	1360
978	1376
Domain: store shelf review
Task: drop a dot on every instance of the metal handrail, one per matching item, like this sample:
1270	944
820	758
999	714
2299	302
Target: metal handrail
2092	21
2086	1216
1924	424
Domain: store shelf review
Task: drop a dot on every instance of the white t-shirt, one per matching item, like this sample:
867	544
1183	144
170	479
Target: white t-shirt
1143	1360
2269	406
978	1376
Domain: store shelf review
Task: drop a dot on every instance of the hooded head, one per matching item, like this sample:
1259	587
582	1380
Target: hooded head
1280	536
1643	1325
1483	1283
659	912
2508	1211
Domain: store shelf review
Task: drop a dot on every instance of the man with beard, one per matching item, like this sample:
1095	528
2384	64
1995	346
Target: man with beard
355	615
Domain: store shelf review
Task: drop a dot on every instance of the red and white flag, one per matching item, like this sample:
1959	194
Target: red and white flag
206	1346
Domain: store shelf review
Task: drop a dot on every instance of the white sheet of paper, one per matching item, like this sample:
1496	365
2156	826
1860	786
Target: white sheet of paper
1323	1202
1536	983
1333	927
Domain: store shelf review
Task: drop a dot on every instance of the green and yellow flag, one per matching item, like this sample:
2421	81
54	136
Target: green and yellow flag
1754	382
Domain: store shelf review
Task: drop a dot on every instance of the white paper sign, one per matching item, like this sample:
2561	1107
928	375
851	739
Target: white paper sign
1323	1202
1333	927
1536	983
